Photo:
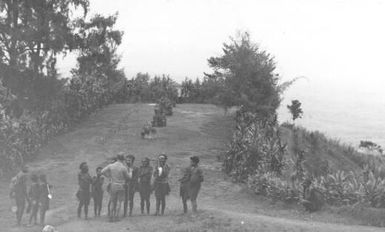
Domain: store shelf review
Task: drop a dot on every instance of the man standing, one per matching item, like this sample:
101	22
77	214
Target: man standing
191	184
118	174
144	187
34	196
161	186
19	192
83	193
108	189
97	191
44	197
131	185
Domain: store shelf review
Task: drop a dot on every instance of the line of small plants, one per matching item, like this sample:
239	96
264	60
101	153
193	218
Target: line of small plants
21	139
258	157
338	189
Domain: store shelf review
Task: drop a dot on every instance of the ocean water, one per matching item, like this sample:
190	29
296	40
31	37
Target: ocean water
347	113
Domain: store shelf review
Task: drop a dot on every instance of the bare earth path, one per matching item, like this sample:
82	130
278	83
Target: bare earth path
193	130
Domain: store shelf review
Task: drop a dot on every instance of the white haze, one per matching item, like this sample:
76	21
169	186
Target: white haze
338	45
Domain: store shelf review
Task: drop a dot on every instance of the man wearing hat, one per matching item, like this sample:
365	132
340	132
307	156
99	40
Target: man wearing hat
118	174
145	173
131	184
191	184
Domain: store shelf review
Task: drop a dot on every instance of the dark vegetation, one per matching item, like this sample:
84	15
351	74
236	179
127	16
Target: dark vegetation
286	162
283	162
295	109
36	103
371	146
144	88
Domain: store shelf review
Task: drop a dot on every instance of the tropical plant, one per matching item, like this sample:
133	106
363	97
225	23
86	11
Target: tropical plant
256	147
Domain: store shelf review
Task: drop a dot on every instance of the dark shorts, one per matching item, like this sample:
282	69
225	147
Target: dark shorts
188	191
161	189
97	196
83	197
144	190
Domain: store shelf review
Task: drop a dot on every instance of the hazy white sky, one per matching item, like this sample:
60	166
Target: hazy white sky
327	41
339	45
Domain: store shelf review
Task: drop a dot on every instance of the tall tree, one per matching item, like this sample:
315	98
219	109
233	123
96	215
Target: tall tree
248	76
32	33
187	89
98	41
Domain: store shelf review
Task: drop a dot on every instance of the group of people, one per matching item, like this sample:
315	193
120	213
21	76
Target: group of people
125	179
36	197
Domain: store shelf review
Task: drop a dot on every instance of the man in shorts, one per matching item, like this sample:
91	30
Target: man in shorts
191	184
118	174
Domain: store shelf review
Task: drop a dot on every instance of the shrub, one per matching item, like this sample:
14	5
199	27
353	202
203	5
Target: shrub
256	147
270	185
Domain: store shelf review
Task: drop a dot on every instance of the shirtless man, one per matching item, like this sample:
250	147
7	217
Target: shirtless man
118	174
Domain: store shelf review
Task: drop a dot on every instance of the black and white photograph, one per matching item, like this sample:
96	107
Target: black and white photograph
192	116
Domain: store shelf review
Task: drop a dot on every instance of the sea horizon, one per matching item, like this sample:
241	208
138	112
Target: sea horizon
349	114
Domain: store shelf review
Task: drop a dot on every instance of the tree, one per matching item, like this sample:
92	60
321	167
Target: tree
248	77
187	90
295	109
97	41
139	89
32	33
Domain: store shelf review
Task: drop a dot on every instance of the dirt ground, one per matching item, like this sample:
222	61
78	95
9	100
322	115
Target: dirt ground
201	130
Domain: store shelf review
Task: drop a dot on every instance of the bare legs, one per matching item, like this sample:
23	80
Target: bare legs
160	202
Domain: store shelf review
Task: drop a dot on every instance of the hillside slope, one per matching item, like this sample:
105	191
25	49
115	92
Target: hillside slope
193	130
321	153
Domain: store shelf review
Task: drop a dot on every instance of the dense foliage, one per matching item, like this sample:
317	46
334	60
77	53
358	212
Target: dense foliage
21	138
247	76
364	186
205	91
143	88
256	147
32	34
36	104
258	156
337	188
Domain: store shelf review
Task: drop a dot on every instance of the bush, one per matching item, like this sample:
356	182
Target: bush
256	147
21	139
270	185
256	156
